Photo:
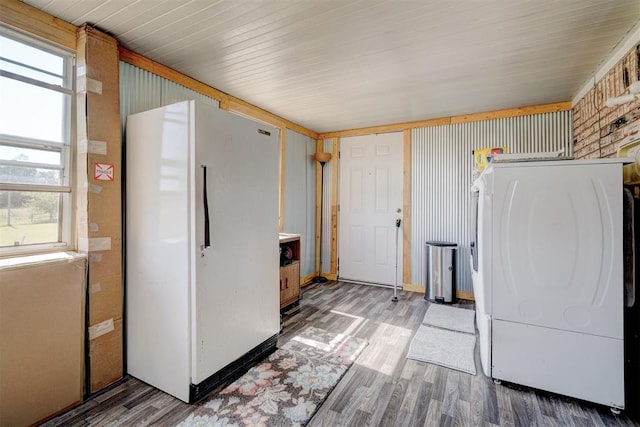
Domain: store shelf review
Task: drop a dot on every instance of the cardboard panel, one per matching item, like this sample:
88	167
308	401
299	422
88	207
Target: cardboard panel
42	336
99	199
105	354
105	294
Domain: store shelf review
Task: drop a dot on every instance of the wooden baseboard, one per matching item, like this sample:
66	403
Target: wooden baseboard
468	295
413	288
306	280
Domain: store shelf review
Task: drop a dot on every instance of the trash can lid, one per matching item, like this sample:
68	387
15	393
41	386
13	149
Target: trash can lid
438	243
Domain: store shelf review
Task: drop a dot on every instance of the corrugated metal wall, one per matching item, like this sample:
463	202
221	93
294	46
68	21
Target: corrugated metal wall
441	170
441	175
141	90
300	195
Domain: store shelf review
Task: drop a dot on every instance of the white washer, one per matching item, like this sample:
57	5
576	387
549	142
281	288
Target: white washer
549	280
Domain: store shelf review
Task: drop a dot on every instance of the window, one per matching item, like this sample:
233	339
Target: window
36	104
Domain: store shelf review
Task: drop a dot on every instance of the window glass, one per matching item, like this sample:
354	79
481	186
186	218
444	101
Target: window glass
35	127
30	175
33	112
22	154
22	53
29	218
31	73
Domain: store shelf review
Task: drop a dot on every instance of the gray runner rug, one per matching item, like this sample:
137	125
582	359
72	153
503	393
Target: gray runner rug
453	318
442	347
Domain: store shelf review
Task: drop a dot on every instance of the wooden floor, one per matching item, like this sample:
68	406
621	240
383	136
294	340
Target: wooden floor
382	388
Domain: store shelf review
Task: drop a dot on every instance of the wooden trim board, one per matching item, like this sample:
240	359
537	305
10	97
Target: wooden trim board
406	207
466	295
23	17
466	118
393	127
319	144
154	67
226	101
334	206
283	169
513	112
413	288
237	105
306	280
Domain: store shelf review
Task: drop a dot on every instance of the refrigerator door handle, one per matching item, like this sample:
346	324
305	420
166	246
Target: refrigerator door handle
205	202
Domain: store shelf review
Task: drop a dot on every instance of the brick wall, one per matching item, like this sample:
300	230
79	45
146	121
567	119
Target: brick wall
598	130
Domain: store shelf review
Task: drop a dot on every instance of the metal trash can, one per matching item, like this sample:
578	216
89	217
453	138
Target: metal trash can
440	272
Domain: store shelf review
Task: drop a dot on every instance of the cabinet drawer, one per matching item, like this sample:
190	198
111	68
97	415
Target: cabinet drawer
289	283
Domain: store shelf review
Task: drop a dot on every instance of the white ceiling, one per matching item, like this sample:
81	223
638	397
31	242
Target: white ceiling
335	65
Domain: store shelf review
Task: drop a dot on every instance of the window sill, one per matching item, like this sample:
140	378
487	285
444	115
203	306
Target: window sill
40	259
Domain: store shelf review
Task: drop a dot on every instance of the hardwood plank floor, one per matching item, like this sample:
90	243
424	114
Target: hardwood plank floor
382	388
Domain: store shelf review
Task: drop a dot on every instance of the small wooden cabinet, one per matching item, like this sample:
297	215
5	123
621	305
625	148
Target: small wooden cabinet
289	269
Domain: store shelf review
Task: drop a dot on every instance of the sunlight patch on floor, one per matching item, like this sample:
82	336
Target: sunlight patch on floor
387	346
358	322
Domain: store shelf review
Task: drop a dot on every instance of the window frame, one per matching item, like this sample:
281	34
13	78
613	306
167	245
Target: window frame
66	207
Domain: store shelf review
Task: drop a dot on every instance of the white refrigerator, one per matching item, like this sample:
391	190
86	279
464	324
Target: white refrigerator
202	261
548	276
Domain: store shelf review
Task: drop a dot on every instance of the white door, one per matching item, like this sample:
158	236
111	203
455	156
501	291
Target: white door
370	244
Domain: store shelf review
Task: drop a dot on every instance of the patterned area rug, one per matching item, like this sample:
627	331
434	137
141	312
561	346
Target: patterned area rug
285	389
